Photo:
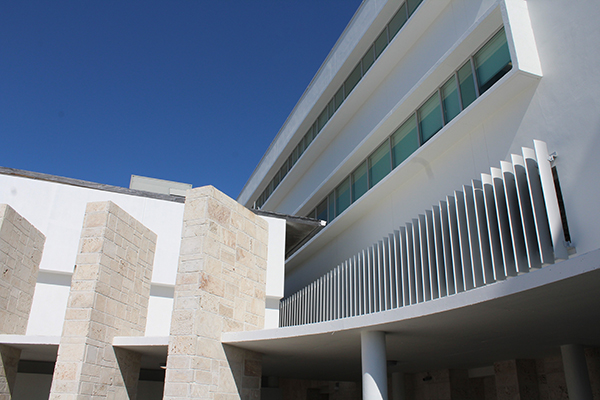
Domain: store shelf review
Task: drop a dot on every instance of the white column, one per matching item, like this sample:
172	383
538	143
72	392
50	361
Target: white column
398	386
374	366
576	372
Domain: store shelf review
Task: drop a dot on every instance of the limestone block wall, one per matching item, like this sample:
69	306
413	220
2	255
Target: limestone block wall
220	287
109	296
21	247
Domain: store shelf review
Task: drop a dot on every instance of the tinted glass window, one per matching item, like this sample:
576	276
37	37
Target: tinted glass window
397	21
412	5
322	120
467	85
339	97
381	43
430	117
342	196
367	60
379	164
322	210
450	100
405	141
359	181
352	80
492	62
331	205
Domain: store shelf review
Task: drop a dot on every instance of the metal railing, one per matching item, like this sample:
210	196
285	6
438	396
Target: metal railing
505	224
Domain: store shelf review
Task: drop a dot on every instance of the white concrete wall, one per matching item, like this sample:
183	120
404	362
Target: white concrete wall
275	270
561	109
57	210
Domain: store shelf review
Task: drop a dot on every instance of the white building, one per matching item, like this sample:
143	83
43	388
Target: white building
401	156
449	145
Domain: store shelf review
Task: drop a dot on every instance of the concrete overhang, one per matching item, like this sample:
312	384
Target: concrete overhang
34	348
152	348
528	316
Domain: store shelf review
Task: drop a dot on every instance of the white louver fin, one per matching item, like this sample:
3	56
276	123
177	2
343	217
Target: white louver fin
505	224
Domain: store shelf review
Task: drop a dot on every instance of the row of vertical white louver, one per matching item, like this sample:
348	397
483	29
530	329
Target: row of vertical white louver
505	224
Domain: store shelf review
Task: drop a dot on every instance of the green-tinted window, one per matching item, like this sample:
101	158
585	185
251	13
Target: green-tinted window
492	62
381	43
300	148
397	21
321	210
322	120
309	136
379	164
311	213
339	98
412	5
467	85
367	60
352	80
283	170
450	101
405	141
342	196
294	155
331	108
331	207
430	117
359	181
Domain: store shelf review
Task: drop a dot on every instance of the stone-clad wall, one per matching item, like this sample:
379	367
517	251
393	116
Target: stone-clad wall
21	247
110	289
220	288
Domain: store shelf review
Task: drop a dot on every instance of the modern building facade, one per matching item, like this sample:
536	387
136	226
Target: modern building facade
423	140
448	145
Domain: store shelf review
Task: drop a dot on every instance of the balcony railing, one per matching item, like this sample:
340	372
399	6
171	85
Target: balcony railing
507	223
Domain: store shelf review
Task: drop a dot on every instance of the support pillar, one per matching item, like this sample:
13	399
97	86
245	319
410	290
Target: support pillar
220	287
110	289
576	372
21	246
398	390
374	365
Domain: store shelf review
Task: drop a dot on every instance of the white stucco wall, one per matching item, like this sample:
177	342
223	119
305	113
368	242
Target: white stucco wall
57	210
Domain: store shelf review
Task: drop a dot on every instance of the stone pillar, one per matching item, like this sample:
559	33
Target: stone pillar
220	288
109	296
516	379
374	365
21	246
576	372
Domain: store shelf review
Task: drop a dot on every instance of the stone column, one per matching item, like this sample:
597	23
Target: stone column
109	296
220	288
374	365
576	372
21	246
516	379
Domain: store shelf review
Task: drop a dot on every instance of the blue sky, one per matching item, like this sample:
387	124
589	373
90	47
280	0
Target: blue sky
185	90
